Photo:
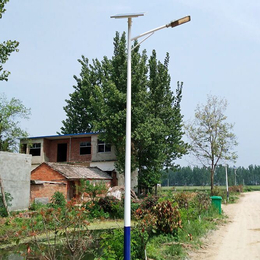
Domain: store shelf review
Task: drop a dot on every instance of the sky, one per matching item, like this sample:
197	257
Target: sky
217	53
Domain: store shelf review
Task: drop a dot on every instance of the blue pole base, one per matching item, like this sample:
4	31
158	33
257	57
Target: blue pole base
127	243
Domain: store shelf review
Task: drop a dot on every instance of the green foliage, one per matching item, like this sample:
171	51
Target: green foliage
92	189
98	103
58	199
2	7
112	206
8	198
112	247
164	247
217	191
95	211
10	114
35	206
199	176
6	48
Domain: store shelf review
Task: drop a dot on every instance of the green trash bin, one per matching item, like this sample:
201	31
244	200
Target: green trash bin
216	202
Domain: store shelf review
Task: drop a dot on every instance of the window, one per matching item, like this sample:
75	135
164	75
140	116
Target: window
35	149
85	148
103	147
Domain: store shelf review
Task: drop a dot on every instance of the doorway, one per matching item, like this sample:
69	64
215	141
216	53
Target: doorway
62	153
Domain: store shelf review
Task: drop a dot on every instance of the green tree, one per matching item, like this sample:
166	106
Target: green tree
6	48
211	137
99	104
10	114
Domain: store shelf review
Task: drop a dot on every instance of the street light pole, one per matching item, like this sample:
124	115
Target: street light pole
127	205
235	172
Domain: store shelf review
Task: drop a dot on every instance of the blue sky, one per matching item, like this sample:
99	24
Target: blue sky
216	53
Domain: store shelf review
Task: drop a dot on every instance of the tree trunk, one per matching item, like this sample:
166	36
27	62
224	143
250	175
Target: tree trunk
3	196
212	180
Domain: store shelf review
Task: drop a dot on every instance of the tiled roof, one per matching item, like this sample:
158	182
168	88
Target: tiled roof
71	171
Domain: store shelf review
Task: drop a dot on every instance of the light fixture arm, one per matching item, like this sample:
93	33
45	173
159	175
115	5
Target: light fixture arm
139	43
171	24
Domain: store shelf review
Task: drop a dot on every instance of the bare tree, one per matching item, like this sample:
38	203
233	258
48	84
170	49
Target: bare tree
211	138
3	196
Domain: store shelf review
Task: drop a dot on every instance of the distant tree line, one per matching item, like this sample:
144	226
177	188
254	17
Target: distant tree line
199	176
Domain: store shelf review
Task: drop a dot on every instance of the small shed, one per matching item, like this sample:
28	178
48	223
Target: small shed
50	177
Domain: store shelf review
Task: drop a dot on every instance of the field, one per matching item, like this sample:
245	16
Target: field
206	188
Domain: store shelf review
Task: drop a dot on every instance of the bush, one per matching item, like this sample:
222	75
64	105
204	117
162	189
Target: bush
112	247
237	188
149	202
182	199
61	228
92	189
112	206
168	218
58	200
37	206
202	202
217	191
95	211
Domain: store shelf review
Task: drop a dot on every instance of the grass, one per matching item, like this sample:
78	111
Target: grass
167	247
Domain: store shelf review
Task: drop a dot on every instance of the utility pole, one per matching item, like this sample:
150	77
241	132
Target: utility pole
227	183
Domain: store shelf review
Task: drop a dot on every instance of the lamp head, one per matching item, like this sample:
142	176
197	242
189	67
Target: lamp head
179	21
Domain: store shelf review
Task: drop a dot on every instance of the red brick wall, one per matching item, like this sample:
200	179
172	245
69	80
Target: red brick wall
46	173
47	190
73	153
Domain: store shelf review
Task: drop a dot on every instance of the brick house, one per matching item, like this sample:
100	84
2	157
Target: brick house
48	178
83	149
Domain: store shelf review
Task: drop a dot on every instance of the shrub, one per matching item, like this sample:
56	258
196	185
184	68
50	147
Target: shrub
168	218
182	199
70	232
37	206
92	189
217	191
112	247
112	206
58	199
202	202
237	188
149	202
95	211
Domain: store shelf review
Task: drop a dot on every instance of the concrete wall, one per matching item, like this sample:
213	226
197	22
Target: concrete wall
36	160
110	166
15	171
105	156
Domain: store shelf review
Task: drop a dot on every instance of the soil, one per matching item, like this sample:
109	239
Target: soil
239	238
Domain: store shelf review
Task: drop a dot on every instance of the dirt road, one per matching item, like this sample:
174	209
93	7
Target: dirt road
239	239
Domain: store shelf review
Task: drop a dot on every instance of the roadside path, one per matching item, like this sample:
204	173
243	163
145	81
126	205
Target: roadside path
239	239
